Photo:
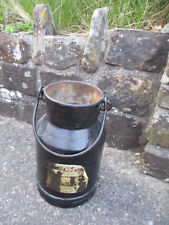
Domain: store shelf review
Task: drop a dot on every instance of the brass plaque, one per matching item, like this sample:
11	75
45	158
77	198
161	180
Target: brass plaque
68	179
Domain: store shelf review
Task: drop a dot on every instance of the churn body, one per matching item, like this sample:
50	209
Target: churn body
69	142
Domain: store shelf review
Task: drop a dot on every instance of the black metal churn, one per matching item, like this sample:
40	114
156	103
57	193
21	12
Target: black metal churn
69	141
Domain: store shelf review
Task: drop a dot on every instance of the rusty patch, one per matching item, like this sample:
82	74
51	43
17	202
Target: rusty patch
68	179
73	92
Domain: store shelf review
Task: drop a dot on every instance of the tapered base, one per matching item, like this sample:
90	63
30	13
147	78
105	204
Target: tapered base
65	202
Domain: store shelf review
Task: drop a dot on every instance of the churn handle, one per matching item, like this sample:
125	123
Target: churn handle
39	96
105	106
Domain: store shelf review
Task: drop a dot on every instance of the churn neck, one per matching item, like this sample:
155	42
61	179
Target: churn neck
72	104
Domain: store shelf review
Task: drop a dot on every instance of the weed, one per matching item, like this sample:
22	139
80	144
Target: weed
75	15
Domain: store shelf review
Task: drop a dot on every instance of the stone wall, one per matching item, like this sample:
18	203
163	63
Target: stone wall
126	64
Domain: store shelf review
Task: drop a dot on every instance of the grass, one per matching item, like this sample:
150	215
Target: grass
75	15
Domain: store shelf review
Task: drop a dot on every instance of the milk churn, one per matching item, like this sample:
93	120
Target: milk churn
69	141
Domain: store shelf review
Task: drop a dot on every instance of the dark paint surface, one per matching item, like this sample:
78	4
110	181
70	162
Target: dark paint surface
68	129
66	141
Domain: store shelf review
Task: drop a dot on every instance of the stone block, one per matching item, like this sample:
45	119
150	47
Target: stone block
9	95
8	100
156	160
157	131
15	48
25	109
14	104
37	50
165	79
43	21
95	46
123	131
49	77
7	109
166	72
129	94
137	49
20	78
163	97
61	53
165	28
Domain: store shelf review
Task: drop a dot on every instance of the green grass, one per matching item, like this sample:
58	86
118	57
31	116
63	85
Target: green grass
75	15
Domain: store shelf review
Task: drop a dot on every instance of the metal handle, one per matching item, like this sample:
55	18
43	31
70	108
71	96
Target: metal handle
107	106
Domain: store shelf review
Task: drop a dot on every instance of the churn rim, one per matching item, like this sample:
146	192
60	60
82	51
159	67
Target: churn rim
73	105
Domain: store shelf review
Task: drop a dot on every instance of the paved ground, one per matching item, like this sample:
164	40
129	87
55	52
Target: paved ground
124	195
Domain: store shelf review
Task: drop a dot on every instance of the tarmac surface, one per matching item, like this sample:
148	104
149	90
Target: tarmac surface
124	195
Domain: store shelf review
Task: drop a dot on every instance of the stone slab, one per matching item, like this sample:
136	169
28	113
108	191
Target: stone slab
137	49
15	48
156	160
20	78
123	131
157	131
95	46
129	94
163	96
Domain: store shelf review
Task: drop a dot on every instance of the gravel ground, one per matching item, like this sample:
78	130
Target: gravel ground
124	195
